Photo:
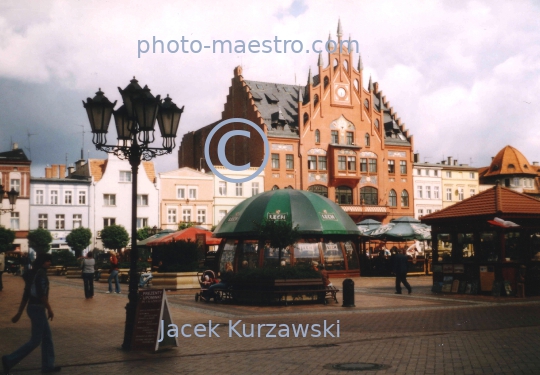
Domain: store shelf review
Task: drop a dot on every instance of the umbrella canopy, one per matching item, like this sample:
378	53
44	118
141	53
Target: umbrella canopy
368	225
402	229
155	236
185	234
313	213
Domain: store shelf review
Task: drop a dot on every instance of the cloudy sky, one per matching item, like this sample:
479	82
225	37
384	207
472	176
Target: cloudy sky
462	75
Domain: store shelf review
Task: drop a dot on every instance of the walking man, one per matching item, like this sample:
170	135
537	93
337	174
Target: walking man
36	294
400	269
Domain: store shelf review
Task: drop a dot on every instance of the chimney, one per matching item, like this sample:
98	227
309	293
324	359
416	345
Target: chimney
79	163
417	157
15	146
62	173
55	171
535	163
71	169
493	157
443	162
455	162
449	160
48	172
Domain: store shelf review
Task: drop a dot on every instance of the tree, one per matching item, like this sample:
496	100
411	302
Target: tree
143	233
185	225
79	239
280	233
115	237
40	240
7	236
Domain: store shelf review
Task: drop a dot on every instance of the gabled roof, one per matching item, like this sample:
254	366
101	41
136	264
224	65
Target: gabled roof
509	161
278	105
97	168
497	201
13	155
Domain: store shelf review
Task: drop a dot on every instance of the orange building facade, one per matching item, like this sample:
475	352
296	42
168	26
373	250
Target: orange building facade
332	137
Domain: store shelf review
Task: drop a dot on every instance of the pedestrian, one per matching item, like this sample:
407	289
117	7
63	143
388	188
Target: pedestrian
2	267
88	264
36	294
113	273
400	269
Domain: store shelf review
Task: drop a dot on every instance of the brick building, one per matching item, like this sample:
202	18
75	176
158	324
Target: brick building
332	137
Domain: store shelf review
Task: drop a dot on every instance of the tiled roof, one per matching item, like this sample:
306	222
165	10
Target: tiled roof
97	168
278	105
496	201
509	161
150	171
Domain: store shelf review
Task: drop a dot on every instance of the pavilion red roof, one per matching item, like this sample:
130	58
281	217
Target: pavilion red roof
497	201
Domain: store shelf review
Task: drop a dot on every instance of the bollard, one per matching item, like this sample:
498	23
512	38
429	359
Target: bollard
348	293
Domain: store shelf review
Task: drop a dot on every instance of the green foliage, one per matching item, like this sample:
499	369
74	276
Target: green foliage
40	240
179	256
64	258
79	239
269	274
213	228
185	225
7	236
115	237
143	233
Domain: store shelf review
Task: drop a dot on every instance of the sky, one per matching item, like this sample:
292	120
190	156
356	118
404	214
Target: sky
462	75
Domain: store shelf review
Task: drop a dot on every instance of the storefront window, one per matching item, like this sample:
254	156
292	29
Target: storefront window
512	244
271	256
466	244
248	257
444	246
352	258
488	247
228	254
306	253
333	256
535	247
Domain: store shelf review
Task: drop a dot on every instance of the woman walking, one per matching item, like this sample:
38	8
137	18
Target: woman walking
88	264
114	273
36	294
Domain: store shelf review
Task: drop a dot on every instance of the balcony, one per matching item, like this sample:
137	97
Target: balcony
353	209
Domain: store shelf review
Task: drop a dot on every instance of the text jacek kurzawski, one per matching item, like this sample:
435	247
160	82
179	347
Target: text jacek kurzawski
239	329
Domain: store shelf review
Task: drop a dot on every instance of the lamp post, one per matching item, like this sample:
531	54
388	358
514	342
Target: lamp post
12	197
135	121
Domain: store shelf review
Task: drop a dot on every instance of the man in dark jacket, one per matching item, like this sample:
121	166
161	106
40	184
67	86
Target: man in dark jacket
400	269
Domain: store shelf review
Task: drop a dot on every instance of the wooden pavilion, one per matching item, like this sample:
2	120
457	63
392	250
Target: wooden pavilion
487	243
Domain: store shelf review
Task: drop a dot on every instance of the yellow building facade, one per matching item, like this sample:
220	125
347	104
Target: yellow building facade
459	182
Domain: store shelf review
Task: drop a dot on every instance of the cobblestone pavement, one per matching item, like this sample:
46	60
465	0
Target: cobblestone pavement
418	334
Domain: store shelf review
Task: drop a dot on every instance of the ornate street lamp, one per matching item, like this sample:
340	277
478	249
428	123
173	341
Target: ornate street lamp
135	121
12	198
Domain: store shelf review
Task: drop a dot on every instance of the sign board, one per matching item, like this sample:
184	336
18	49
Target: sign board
152	312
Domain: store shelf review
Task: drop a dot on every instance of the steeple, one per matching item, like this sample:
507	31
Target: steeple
300	96
339	29
320	63
349	45
370	85
360	65
310	78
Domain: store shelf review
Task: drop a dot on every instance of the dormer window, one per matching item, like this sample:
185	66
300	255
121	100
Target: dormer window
317	136
511	166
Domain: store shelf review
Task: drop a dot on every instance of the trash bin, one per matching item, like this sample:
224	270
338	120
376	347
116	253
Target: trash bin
348	293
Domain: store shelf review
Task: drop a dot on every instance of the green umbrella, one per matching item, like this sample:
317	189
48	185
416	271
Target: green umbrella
155	236
313	213
368	225
402	229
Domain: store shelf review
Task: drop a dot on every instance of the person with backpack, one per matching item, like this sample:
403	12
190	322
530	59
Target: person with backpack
36	295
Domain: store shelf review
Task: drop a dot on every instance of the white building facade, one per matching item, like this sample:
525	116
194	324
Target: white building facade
427	184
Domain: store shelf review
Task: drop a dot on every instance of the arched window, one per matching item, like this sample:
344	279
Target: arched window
392	198
404	199
275	187
335	63
356	84
317	136
289	187
366	103
319	189
343	195
369	195
377	124
315	100
306	118
326	82
346	65
366	137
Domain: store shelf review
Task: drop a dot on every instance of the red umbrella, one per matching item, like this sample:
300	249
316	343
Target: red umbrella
185	234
